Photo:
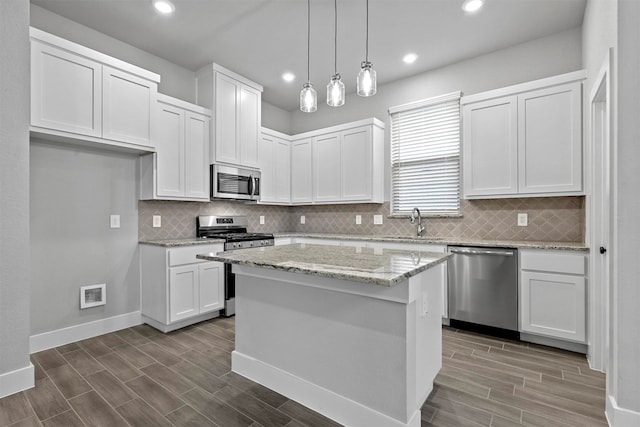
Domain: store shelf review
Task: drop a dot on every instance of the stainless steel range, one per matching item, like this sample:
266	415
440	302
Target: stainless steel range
233	230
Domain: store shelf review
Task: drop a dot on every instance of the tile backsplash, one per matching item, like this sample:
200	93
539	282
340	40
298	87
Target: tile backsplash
557	219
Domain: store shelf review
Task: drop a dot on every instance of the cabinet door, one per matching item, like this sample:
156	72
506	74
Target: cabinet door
266	165
66	91
301	171
250	122
553	305
183	292
197	156
490	148
211	278
326	168
168	133
355	152
550	140
282	172
226	110
127	104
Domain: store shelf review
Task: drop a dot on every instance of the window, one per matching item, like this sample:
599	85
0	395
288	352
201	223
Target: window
425	156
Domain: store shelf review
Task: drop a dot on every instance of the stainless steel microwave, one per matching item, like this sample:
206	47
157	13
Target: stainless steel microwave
229	182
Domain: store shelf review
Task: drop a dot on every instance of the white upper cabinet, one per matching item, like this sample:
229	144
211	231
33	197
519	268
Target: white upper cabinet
80	95
274	161
339	164
179	169
490	158
550	140
237	105
524	140
326	167
301	172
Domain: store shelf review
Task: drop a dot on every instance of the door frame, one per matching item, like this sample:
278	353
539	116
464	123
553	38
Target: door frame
599	218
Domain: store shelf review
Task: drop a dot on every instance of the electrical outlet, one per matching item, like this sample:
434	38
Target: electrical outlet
261	219
358	219
157	221
114	221
523	220
425	304
302	219
377	219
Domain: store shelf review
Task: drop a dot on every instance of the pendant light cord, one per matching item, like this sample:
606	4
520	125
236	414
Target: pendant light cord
366	52
335	37
308	41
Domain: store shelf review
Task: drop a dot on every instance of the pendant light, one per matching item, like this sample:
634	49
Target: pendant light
308	95
367	75
335	88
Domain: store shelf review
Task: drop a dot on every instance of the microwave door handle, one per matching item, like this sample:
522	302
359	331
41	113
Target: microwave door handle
251	185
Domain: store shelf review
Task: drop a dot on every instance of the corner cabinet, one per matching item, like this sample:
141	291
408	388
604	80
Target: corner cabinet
274	161
237	115
340	164
553	294
83	96
524	140
179	169
177	288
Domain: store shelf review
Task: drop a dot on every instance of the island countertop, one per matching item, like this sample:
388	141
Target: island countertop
378	266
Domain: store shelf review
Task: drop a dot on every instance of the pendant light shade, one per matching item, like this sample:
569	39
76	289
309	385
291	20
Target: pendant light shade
367	85
308	95
335	91
308	98
367	80
335	88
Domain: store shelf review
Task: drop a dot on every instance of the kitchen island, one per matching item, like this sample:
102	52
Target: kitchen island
353	333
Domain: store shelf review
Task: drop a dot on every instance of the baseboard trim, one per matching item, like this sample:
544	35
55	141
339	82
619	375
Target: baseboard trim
553	342
83	331
16	381
326	402
162	327
620	417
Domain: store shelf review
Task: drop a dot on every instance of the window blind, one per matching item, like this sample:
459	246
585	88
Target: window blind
425	156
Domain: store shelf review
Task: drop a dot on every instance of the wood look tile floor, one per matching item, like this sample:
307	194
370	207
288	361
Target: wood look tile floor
140	377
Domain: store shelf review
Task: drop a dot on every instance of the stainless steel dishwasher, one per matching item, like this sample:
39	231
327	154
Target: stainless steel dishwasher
483	290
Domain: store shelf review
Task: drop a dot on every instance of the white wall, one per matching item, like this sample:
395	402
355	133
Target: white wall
175	81
276	118
625	387
548	56
74	190
14	192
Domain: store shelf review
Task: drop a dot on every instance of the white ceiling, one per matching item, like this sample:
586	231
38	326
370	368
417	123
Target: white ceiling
261	39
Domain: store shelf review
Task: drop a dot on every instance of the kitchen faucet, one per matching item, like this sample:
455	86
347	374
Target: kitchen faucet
419	227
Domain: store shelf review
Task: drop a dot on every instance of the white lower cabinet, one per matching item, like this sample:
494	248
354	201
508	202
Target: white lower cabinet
177	288
553	292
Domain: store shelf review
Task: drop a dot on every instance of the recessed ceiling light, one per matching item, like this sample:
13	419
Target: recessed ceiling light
410	58
288	77
164	6
471	6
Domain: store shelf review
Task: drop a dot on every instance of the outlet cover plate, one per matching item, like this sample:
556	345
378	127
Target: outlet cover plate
358	219
377	219
523	220
114	221
157	221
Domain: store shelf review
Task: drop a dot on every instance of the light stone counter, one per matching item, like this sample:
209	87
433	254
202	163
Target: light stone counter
176	243
572	246
384	267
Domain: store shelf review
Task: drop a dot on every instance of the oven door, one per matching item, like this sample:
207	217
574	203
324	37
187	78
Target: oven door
234	183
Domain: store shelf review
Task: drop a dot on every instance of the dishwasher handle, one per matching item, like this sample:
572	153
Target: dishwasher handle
481	252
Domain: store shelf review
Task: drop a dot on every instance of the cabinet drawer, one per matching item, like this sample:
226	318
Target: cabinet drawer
553	261
187	255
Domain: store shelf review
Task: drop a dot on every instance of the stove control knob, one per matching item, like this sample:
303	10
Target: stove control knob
250	243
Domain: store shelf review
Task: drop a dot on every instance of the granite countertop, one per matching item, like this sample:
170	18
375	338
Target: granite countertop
445	241
377	266
176	243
